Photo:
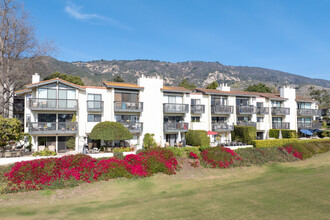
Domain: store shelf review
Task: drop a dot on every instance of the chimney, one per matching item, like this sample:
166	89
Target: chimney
35	78
224	87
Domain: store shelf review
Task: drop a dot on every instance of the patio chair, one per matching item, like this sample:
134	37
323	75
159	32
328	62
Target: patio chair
96	150
90	148
51	148
41	148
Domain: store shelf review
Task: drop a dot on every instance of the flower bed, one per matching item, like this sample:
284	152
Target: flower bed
218	157
292	151
70	170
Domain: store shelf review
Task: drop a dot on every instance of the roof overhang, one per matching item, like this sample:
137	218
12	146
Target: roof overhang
57	80
24	91
175	91
311	101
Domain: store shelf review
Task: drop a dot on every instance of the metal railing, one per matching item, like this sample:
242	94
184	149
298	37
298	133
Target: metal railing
262	110
309	125
94	105
176	126
197	109
246	123
280	111
133	127
175	108
52	127
280	125
52	104
308	112
129	106
243	110
217	126
222	109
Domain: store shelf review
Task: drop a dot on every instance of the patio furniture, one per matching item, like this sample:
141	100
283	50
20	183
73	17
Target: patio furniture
41	148
96	150
51	148
90	148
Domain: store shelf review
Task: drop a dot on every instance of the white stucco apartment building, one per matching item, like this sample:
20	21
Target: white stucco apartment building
150	107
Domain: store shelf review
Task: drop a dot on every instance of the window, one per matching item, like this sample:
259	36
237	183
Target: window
260	104
195	119
94	101
173	119
277	120
46	117
219	100
126	97
305	120
195	101
260	119
127	118
244	118
172	99
276	104
94	118
304	105
219	119
242	101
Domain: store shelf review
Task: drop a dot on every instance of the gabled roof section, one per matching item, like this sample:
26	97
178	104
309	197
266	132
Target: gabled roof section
121	85
304	99
95	87
22	91
175	89
232	93
271	96
57	80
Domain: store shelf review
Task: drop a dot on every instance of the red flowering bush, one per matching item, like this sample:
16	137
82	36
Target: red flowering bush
291	150
193	155
71	170
218	157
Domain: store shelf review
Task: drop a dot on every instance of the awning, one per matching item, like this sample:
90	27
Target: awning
317	130
212	133
305	131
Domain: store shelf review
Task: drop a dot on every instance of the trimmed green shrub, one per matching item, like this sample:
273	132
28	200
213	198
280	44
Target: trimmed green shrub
308	149
149	141
284	142
258	156
245	134
274	133
184	151
110	131
204	147
44	153
197	138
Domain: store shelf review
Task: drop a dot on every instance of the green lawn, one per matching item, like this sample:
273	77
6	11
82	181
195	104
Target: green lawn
298	190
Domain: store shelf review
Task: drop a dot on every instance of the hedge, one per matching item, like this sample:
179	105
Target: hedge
308	149
283	142
274	133
184	151
197	138
245	134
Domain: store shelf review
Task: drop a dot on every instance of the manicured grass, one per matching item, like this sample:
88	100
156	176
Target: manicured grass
296	190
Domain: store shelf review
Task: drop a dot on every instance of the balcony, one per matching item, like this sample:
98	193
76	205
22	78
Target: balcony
262	110
246	123
53	104
222	109
197	109
175	108
281	125
94	106
52	127
280	111
128	106
246	110
309	125
307	112
217	126
133	127
176	127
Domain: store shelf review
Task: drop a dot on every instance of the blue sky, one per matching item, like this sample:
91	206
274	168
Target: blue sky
291	36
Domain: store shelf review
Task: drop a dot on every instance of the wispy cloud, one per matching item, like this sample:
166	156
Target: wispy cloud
76	12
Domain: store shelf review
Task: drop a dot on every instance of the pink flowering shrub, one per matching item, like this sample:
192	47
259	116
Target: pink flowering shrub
291	150
71	170
219	157
193	155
